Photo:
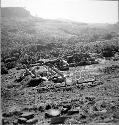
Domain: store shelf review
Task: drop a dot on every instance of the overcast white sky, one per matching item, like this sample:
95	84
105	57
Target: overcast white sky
89	11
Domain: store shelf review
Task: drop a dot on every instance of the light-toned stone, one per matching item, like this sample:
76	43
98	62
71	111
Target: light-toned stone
27	115
22	120
32	121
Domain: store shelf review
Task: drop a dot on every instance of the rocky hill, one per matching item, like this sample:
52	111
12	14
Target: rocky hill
14	12
21	30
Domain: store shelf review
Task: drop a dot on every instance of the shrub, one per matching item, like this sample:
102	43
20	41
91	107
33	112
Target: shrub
3	68
10	65
109	51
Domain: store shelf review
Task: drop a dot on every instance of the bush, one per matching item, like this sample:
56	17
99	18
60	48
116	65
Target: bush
10	65
110	50
107	52
3	68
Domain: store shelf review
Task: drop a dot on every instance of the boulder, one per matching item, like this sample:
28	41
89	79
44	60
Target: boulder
52	113
27	115
35	82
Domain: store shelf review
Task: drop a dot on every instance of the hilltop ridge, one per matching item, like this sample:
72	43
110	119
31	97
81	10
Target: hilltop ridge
14	12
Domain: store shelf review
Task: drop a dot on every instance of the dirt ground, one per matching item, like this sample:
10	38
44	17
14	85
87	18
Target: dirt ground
105	94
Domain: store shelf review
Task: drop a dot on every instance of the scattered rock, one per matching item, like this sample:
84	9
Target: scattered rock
95	108
55	106
45	78
103	104
78	108
81	86
107	120
58	120
69	81
4	70
115	117
17	113
31	108
41	108
3	121
9	114
48	107
113	107
103	111
65	109
82	116
72	112
57	79
22	120
90	98
27	115
32	121
15	123
67	106
19	79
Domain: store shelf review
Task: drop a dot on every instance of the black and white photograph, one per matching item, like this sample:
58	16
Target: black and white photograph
59	62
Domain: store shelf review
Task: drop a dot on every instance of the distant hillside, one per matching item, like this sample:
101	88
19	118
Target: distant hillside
14	12
24	30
